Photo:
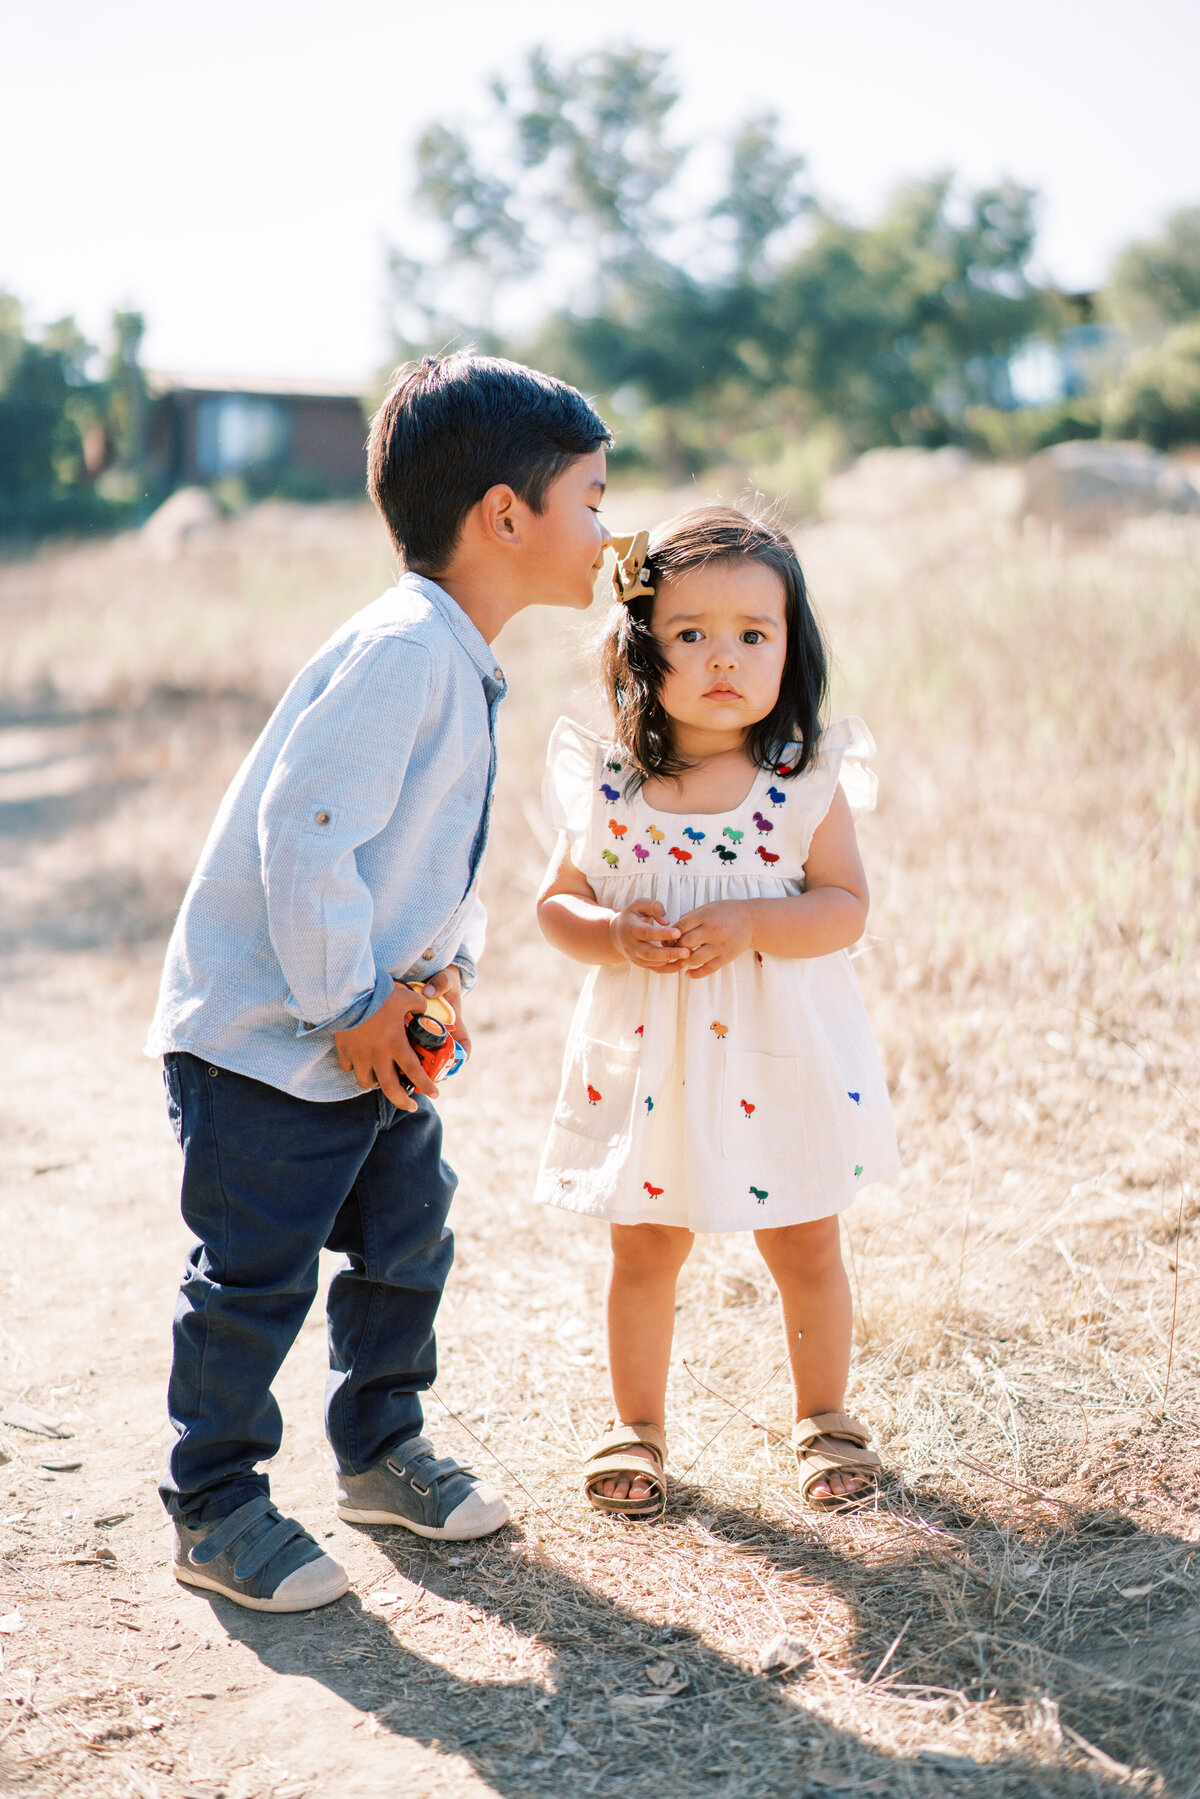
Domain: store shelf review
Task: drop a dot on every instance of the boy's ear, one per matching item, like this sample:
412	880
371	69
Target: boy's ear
498	515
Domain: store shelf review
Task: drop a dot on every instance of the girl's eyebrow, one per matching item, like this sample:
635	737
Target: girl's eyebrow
696	618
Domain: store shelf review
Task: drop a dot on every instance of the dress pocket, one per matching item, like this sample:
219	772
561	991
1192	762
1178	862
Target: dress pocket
597	1096
761	1113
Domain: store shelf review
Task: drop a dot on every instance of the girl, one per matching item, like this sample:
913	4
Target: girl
720	1072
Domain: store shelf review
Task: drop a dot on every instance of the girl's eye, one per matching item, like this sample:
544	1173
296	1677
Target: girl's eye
752	636
691	635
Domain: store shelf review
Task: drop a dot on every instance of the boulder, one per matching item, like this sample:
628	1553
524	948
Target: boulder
189	512
1090	486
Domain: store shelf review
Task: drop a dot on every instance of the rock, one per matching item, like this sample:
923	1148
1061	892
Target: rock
783	1654
1089	486
23	1417
189	513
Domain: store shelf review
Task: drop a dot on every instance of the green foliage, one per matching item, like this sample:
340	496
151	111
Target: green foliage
705	326
1156	398
1156	284
1014	433
58	424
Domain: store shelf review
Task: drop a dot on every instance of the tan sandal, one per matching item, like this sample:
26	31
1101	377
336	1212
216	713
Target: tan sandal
611	1459
817	1442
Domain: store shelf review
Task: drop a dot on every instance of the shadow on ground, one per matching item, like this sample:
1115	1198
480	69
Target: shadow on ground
596	1721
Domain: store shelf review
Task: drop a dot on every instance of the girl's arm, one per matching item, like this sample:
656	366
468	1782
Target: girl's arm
829	915
573	920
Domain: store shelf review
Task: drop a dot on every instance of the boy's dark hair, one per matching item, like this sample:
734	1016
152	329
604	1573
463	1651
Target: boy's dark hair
633	662
453	426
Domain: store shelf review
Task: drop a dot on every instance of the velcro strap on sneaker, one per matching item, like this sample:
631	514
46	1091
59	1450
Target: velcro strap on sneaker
227	1532
255	1556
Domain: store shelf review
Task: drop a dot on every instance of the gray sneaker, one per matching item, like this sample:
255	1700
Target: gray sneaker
436	1497
259	1560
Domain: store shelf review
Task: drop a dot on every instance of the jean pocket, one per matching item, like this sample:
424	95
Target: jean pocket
597	1098
174	1096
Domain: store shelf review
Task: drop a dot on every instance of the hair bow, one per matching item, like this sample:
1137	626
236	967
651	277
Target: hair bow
629	580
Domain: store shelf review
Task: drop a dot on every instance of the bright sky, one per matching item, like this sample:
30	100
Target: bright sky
236	168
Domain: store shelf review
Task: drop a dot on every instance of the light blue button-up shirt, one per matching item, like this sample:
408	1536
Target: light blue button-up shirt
346	852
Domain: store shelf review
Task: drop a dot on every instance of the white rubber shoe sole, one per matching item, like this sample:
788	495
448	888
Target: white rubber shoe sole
317	1583
475	1517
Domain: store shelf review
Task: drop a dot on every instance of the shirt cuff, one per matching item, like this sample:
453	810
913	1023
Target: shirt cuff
466	968
364	1007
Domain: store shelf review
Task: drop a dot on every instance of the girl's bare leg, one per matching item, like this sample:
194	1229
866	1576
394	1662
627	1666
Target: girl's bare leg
646	1259
814	1295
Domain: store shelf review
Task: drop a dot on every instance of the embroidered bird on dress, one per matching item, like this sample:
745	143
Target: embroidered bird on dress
594	1095
718	1029
613	860
733	836
764	824
747	1107
726	855
617	830
693	836
760	1194
680	855
654	1192
610	793
654	834
641	852
776	798
765	854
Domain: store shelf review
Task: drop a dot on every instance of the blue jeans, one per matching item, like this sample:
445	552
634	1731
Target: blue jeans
268	1181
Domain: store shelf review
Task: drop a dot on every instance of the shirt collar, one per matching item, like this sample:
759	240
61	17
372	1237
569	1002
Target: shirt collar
472	640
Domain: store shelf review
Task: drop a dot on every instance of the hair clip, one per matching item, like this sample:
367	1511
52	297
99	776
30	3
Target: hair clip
629	581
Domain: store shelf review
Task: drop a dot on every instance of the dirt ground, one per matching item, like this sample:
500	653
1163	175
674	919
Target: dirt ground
1021	1612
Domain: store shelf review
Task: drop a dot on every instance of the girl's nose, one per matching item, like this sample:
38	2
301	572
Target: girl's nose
723	655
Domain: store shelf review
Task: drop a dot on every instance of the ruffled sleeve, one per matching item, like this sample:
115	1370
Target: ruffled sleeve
569	783
841	760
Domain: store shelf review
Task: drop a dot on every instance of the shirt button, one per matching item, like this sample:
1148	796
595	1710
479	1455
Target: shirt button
497	674
322	818
427	955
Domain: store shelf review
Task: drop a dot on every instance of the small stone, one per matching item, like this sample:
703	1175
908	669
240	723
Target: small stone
23	1417
783	1654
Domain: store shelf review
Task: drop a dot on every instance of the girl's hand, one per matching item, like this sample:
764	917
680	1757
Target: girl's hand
715	934
643	936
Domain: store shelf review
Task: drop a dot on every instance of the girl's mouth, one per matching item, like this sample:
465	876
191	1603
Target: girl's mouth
722	693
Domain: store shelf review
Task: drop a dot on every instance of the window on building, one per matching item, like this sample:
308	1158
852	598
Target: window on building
237	434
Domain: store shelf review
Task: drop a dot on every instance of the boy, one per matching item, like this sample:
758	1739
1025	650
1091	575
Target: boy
345	859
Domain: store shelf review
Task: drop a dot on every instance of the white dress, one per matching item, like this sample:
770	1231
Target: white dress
745	1099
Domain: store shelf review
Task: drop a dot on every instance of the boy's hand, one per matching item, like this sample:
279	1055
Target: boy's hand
643	936
373	1050
715	934
448	983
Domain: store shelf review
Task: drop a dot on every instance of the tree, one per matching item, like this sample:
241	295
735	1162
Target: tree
1156	398
1156	284
708	321
57	424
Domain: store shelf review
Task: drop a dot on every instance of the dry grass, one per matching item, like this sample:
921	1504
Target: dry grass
1022	1612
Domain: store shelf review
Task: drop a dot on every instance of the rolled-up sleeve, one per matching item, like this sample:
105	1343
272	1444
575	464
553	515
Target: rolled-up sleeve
470	948
334	786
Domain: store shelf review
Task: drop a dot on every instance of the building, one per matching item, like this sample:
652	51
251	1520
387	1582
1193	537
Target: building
306	439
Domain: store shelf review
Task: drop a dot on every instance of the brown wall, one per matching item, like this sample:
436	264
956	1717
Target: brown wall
329	439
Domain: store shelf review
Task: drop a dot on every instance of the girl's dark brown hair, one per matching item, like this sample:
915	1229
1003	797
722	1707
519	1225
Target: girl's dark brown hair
633	662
